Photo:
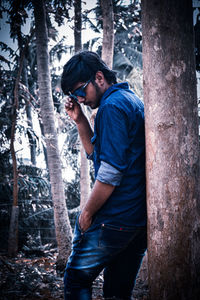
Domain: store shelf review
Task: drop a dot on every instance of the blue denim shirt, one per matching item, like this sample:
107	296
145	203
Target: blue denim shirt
119	142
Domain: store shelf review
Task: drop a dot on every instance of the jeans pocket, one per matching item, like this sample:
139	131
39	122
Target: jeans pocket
77	237
115	237
78	225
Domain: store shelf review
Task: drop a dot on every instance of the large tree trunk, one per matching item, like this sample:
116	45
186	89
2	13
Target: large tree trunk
172	149
108	32
61	219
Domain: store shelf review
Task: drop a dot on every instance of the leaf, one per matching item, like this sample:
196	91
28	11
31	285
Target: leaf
122	64
2	58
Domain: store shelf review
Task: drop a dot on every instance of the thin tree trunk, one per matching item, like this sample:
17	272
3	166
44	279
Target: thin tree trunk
13	229
29	116
108	32
32	142
172	147
43	146
85	179
31	88
108	36
77	25
84	170
61	219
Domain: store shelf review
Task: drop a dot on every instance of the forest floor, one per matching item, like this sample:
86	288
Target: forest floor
36	278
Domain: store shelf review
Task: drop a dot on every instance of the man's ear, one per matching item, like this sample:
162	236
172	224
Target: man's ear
99	78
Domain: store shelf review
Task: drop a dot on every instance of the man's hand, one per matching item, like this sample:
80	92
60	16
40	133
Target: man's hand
75	112
73	109
85	220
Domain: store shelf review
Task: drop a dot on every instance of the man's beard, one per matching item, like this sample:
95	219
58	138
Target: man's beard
99	95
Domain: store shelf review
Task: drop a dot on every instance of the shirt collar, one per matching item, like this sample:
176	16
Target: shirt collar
113	88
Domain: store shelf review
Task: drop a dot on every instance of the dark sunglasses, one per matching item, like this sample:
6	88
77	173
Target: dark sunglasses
80	92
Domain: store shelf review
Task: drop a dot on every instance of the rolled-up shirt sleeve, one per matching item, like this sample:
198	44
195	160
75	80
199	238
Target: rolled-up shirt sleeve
108	174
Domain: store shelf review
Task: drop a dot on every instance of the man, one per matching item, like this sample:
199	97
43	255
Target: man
110	233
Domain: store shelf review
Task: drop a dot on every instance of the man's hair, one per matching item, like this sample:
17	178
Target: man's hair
83	67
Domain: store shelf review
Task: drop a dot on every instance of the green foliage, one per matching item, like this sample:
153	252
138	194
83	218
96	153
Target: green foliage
17	18
72	192
58	50
31	183
35	204
6	98
5	176
10	51
128	36
87	20
59	9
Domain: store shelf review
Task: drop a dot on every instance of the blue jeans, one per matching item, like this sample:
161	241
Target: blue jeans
119	251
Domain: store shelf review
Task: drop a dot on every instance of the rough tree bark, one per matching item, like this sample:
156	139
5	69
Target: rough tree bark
172	149
84	178
108	32
61	219
108	37
84	170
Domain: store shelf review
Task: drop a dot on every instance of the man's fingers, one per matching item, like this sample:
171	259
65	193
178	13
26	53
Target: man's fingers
72	108
69	103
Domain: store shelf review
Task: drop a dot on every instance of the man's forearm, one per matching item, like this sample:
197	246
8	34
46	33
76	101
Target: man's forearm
99	195
85	133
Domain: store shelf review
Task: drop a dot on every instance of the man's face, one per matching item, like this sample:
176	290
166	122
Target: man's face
87	93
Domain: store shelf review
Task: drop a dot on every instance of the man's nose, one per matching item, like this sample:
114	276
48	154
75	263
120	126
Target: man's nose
81	99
